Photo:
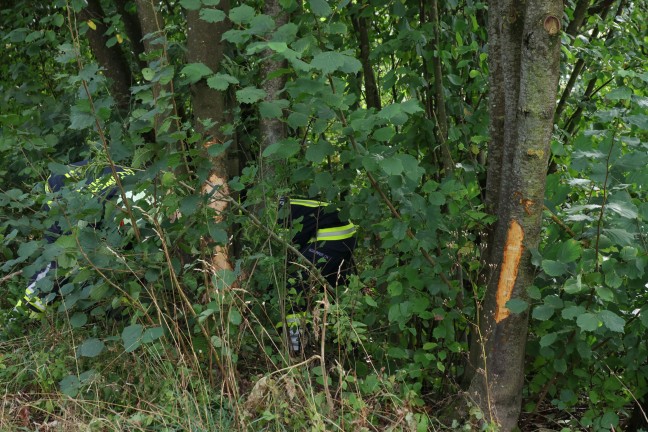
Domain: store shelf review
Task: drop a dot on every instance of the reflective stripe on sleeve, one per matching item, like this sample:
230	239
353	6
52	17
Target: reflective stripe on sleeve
336	233
308	203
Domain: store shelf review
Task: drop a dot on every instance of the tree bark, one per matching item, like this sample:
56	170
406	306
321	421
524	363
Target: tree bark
525	55
204	45
133	31
111	59
372	96
272	129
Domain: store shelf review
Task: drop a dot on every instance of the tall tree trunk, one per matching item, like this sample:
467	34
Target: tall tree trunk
133	31
372	95
152	25
204	45
272	129
524	41
111	59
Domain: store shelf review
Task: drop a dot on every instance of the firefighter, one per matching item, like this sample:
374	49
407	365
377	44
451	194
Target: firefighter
94	183
326	240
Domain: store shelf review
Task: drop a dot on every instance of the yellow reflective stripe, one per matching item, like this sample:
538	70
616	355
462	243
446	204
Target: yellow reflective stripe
336	233
308	203
100	184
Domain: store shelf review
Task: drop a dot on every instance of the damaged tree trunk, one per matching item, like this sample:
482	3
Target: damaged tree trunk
204	45
524	43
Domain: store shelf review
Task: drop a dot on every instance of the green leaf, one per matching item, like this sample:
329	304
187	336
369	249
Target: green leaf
328	61
131	337
235	317
26	249
619	236
517	305
548	339
609	420
392	165
587	322
318	152
554	268
296	120
395	288
250	95
560	365
148	74
70	385
221	81
79	319
190	4
569	251
621	93
320	8
196	71
573	285
542	312
152	334
273	109
384	134
370	301
612	321
571	312
282	149
90	348
212	15
242	14
624	209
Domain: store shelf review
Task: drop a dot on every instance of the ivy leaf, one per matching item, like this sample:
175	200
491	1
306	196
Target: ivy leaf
212	15
242	14
250	95
587	322
612	321
320	8
90	348
195	72
221	81
131	337
554	268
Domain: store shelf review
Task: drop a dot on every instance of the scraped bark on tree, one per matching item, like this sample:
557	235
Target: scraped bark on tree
204	45
524	44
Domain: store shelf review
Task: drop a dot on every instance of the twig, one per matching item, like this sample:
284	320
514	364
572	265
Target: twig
10	276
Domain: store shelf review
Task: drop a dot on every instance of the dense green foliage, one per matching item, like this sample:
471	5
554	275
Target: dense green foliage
148	332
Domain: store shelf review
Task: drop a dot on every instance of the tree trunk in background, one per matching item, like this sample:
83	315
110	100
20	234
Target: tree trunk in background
372	95
133	31
204	46
111	59
271	129
152	26
524	43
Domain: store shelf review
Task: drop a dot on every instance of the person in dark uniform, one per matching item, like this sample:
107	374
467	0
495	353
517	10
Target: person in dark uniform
96	184
326	240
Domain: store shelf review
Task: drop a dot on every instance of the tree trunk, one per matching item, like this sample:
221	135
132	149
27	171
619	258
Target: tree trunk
204	46
524	41
133	31
372	96
271	129
111	59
